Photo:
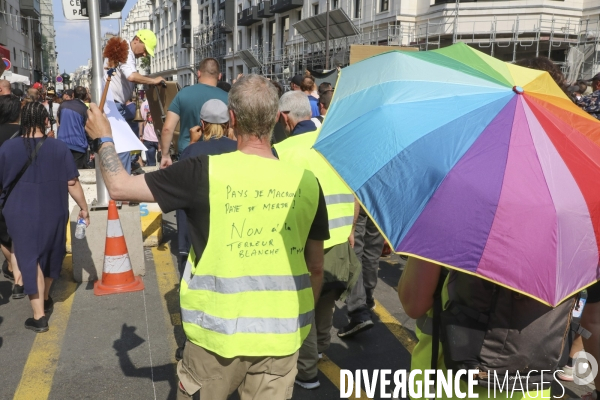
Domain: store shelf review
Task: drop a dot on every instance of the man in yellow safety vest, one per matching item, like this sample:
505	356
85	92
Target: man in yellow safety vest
257	227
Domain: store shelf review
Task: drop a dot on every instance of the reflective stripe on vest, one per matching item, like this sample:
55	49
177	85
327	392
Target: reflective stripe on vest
245	283
250	292
246	324
338	197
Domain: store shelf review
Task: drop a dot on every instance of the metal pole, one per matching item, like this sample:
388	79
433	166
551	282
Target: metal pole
96	88
327	38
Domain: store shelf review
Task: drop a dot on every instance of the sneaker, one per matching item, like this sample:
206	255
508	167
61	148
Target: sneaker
18	292
37	325
6	272
566	374
354	327
48	304
309	384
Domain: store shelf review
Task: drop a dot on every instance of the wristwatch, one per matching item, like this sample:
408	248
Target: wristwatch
97	143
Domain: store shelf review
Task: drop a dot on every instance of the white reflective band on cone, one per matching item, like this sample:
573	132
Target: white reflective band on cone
113	228
116	264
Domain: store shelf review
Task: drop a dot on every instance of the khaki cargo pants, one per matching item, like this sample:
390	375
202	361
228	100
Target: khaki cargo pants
215	377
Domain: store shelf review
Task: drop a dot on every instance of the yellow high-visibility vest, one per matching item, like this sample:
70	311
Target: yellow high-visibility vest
250	293
298	150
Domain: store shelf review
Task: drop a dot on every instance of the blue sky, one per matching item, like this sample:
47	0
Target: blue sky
73	37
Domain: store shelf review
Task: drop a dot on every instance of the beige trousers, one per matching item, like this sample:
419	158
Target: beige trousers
319	337
215	377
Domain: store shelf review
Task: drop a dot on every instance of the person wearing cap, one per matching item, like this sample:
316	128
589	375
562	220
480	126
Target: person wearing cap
591	103
123	83
127	76
51	106
185	108
37	86
296	81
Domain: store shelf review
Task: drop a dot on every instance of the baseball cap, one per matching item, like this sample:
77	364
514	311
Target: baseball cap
37	85
297	80
215	112
149	39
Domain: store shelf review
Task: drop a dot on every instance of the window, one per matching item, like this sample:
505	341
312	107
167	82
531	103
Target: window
357	8
24	26
10	16
145	25
335	4
315	8
385	5
285	30
239	41
249	39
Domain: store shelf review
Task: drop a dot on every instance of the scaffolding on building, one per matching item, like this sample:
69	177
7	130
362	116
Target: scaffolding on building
573	44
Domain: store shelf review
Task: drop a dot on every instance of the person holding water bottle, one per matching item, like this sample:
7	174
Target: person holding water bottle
36	176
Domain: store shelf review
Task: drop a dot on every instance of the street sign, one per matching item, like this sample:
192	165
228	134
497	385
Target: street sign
59	79
7	63
72	11
60	86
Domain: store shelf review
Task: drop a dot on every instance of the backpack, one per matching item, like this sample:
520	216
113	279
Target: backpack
496	330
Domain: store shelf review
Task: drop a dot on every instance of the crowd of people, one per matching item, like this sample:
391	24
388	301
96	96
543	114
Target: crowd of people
269	236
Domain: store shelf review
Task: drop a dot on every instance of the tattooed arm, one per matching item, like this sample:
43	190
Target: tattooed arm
120	185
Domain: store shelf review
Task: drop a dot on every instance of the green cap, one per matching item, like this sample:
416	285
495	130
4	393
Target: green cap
149	39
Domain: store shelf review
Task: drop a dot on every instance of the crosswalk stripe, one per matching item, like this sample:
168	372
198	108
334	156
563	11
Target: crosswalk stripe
332	372
167	278
394	326
38	373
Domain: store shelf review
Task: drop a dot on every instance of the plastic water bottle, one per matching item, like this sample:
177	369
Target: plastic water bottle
80	229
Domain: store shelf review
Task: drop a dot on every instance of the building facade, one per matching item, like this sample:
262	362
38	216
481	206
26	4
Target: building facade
82	76
567	31
21	37
49	65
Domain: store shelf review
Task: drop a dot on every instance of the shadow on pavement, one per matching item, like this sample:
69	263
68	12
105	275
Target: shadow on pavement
129	340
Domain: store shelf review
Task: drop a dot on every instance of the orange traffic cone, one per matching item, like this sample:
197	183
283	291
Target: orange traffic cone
117	276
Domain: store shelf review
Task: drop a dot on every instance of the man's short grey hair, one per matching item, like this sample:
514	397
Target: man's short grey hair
254	100
297	104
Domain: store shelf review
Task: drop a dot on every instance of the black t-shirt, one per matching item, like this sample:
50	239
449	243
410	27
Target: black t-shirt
184	185
7	130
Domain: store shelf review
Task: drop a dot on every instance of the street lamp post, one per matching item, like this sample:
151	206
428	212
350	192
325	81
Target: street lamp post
327	36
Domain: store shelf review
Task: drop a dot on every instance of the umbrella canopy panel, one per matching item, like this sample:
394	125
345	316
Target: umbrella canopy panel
476	164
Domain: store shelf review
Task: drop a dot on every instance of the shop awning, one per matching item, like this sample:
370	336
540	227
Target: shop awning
16	78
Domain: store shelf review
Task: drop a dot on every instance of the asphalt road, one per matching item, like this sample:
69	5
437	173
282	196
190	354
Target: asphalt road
122	346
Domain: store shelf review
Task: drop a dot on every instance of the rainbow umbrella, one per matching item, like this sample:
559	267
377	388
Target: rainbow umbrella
476	164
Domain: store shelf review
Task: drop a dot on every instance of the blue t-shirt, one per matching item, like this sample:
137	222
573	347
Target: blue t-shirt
210	147
314	106
188	103
72	116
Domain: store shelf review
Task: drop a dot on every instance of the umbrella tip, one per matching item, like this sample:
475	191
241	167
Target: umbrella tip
518	89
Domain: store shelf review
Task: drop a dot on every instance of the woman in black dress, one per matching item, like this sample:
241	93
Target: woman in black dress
36	211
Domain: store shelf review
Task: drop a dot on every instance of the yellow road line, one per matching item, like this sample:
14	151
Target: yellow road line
167	284
401	333
332	372
36	380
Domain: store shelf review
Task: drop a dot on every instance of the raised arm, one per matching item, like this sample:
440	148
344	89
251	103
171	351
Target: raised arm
166	136
417	286
120	185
